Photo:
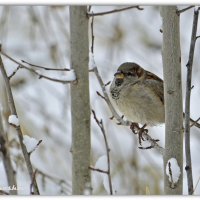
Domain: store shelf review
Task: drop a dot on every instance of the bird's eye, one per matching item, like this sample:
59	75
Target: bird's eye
130	74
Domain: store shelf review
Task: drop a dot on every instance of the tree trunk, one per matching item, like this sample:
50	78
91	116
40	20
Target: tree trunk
80	102
173	97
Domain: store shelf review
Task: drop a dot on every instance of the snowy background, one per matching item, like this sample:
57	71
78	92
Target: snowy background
40	35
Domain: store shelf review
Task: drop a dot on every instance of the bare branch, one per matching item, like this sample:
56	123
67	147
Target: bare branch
21	65
39	142
32	182
194	122
14	72
197	37
187	104
171	177
108	83
101	126
92	34
45	68
114	11
89	8
184	9
98	170
18	128
101	96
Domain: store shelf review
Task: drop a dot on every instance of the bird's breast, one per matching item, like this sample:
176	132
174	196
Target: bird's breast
139	103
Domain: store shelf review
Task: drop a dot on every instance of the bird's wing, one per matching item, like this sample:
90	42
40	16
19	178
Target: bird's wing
158	88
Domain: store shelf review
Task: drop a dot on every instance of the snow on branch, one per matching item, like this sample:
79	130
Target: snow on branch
13	120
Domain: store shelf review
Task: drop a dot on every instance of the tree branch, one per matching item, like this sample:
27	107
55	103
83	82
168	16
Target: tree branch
18	128
32	182
113	11
98	170
101	126
22	66
46	68
92	35
188	167
183	10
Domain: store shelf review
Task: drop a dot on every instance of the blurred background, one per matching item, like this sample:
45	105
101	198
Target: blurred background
40	35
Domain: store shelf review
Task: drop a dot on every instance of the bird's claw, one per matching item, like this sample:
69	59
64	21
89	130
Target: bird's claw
140	131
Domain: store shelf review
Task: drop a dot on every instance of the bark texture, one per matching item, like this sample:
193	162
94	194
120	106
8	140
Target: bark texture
80	102
172	95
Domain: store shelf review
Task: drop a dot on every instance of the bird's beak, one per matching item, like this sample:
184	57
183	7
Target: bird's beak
119	75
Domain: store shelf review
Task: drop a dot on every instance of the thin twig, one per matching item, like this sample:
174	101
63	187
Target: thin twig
197	37
171	177
18	128
98	93
14	72
101	126
32	182
35	71
113	11
99	170
194	122
89	8
92	34
183	10
108	83
187	104
39	142
45	68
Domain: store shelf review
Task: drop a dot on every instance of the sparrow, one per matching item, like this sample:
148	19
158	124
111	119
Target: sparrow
139	95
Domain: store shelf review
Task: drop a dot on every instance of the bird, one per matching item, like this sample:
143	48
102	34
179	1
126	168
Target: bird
139	95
